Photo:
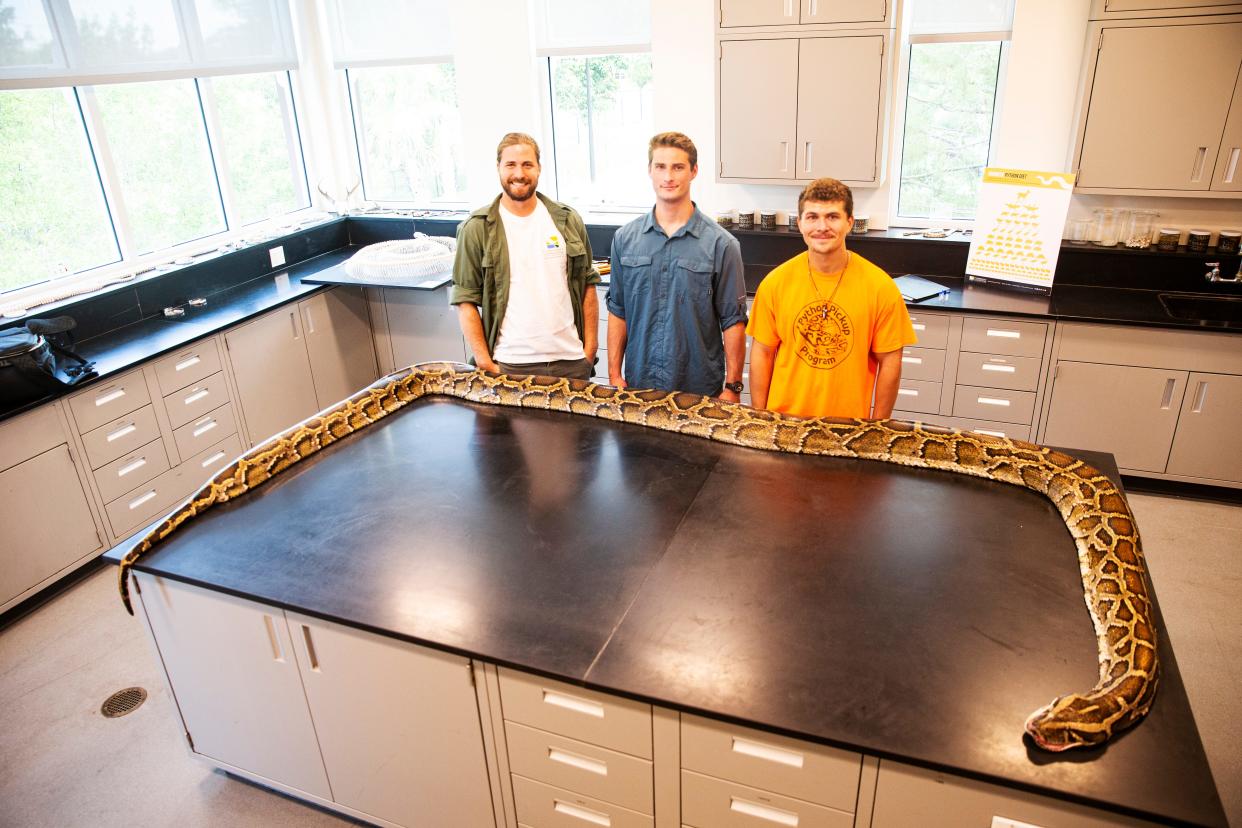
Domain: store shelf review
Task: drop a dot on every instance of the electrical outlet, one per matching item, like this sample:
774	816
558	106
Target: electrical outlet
277	255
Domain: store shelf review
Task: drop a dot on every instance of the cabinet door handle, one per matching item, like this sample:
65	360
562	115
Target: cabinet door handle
138	501
126	428
215	458
189	362
814	8
1196	172
789	8
108	396
1167	399
278	653
293	324
584	814
1200	397
196	395
585	763
784	155
131	467
764	812
204	426
310	320
1002	333
310	649
573	703
912	360
768	753
1231	168
807	148
1004	369
998	401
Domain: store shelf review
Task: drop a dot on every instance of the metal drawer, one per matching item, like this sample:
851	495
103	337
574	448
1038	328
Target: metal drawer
203	466
994	371
816	773
577	766
995	336
196	399
713	803
1014	431
922	364
576	712
99	404
918	395
543	806
999	404
26	435
188	365
207	430
932	329
134	469
120	437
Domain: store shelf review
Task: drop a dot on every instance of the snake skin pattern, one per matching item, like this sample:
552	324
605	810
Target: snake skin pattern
1095	512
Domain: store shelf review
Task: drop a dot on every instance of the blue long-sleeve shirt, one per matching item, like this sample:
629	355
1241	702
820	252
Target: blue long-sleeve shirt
676	295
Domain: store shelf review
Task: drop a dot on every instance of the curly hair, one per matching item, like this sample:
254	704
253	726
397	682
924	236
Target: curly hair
827	189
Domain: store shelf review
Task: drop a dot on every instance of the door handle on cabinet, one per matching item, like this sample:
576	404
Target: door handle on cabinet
807	146
108	396
573	703
1200	397
1196	172
764	812
196	395
584	814
784	155
585	763
1167	399
293	324
311	657
758	750
127	428
1231	167
278	653
310	320
188	362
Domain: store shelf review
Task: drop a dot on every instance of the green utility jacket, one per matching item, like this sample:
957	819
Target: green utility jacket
481	272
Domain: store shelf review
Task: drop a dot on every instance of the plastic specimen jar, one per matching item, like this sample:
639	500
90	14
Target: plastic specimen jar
1140	229
1106	230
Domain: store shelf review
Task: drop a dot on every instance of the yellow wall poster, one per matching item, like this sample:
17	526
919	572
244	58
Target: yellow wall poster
1018	225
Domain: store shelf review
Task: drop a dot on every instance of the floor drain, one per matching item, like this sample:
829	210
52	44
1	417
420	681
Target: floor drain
123	701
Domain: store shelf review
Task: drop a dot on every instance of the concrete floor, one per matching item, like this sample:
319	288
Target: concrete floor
63	764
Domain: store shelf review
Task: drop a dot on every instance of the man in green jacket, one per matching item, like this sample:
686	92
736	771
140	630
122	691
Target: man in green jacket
523	282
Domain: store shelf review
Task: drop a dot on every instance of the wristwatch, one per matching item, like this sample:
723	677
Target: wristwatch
735	387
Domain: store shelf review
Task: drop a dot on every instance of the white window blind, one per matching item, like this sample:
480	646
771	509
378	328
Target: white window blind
567	27
388	32
957	16
81	42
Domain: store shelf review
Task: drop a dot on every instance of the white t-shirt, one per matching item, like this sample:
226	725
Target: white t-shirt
539	321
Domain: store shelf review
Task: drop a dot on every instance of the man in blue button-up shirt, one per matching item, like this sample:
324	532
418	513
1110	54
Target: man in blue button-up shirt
677	298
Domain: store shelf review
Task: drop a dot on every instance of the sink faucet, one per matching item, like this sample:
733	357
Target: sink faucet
1213	275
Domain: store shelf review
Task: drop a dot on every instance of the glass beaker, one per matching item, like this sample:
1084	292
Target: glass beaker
1140	229
1080	230
1107	230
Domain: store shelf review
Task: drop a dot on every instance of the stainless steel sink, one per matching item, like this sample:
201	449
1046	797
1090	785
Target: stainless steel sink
1197	307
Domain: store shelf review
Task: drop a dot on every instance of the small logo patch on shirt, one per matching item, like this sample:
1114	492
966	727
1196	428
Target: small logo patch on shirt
554	242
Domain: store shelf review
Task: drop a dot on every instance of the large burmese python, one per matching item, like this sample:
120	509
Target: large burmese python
1095	512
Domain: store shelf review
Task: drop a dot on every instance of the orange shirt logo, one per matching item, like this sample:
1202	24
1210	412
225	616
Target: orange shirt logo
823	335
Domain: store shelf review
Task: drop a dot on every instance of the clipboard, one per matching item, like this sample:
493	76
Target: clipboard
916	288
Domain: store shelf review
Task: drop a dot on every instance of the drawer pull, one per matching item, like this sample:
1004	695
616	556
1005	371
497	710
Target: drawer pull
131	467
754	809
187	363
205	426
1002	369
989	433
1200	398
766	752
278	652
584	814
138	501
1004	334
907	392
919	326
1166	399
213	459
198	394
909	360
993	401
580	762
105	398
573	703
128	428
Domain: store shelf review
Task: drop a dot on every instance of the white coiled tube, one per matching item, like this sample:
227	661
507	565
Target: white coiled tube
413	258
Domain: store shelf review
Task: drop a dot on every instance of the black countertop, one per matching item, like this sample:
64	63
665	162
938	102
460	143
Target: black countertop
908	613
128	346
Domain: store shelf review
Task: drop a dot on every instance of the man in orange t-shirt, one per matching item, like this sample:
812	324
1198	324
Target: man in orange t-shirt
828	325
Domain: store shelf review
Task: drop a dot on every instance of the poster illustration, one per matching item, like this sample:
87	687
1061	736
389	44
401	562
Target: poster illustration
1017	235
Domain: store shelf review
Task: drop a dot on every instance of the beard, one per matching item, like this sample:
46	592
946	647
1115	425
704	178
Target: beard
511	189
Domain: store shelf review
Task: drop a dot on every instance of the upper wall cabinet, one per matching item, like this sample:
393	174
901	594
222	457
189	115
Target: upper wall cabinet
776	121
1162	109
1120	9
734	14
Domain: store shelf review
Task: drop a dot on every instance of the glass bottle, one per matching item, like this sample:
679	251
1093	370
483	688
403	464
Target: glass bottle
1140	229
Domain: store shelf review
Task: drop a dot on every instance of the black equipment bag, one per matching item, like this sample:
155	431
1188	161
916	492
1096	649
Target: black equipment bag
37	360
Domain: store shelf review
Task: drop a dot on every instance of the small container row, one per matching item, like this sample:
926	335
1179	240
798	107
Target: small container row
1138	229
768	220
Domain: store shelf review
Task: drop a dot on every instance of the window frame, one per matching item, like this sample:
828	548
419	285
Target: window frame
130	261
551	173
895	219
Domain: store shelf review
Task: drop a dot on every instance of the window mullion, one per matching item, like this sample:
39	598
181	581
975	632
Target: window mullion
293	135
60	18
108	174
219	163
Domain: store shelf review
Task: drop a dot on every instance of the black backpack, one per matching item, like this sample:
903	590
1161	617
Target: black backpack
37	360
